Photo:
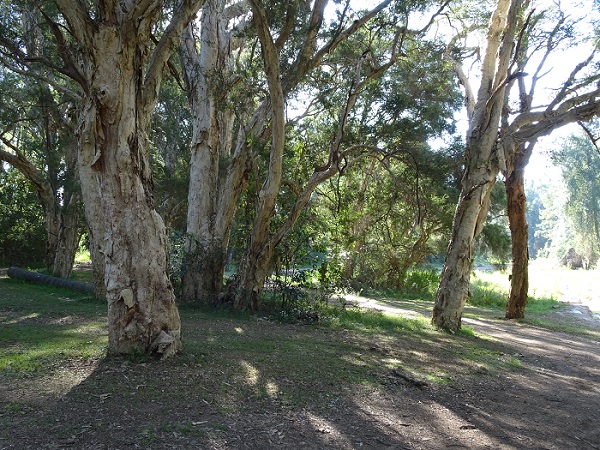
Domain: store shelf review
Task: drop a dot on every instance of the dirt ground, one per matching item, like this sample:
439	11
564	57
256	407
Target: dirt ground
549	399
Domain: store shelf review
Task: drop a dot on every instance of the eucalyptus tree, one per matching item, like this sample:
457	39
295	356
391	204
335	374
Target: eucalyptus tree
496	135
36	136
109	48
579	160
297	46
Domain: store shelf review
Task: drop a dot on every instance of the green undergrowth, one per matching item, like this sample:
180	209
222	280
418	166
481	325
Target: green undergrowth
490	290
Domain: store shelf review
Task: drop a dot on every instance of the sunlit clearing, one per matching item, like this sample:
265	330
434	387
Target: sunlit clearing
251	373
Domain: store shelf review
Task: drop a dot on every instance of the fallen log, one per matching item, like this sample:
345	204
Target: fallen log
40	278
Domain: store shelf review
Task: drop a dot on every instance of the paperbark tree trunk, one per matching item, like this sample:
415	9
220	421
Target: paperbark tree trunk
121	78
481	168
516	207
141	305
207	236
256	263
69	235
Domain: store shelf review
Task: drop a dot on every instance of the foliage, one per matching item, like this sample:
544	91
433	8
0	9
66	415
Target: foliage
22	232
494	244
171	136
580	164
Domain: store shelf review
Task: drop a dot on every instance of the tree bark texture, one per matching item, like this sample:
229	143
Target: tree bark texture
481	168
141	305
258	258
453	289
68	239
516	207
207	235
121	79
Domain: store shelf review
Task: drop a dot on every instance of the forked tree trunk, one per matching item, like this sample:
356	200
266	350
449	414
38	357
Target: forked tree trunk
207	236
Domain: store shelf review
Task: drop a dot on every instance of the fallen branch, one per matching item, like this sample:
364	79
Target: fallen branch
40	278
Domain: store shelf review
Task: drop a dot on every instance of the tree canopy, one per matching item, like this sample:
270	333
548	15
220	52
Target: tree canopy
210	144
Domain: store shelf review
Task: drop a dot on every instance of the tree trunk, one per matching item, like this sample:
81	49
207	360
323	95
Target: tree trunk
519	282
127	231
481	167
207	236
91	194
517	160
68	239
453	289
258	258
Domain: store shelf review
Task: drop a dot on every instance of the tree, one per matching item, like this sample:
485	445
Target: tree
479	175
111	52
37	128
211	200
224	158
384	48
580	164
497	138
23	236
576	100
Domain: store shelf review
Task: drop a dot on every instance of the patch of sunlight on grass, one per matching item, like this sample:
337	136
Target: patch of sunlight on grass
251	373
546	287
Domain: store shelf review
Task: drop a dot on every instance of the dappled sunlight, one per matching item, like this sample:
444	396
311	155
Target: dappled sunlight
16	320
251	374
383	306
327	427
271	389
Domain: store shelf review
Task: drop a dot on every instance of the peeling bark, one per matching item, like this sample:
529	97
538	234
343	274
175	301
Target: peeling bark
121	81
519	283
481	168
207	235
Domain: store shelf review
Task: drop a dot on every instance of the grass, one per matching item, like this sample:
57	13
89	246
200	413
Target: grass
490	290
43	328
241	356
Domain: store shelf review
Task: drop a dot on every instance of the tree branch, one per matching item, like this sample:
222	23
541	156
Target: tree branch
166	46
